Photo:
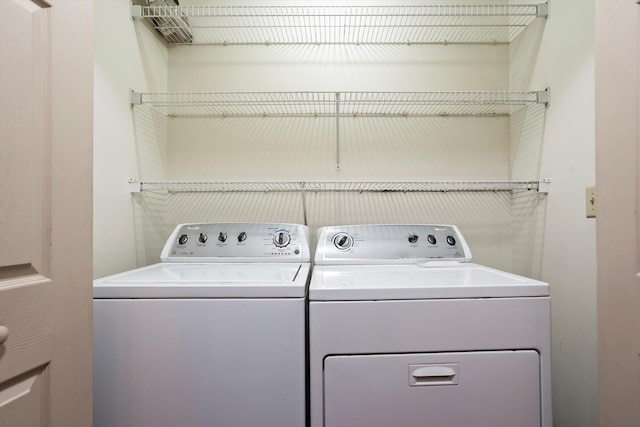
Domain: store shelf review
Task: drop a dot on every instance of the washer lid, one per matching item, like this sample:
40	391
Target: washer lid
207	280
404	282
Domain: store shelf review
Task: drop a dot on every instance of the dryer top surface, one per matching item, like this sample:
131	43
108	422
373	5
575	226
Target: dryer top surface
427	281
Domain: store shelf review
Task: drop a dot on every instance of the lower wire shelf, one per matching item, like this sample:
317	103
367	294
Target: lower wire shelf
135	186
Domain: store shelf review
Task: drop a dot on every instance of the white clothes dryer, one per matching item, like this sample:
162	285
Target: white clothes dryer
214	335
405	331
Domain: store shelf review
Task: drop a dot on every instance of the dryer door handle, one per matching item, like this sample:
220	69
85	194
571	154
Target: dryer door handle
434	371
446	374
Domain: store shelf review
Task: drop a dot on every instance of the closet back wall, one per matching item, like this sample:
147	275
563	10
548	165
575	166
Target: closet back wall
371	149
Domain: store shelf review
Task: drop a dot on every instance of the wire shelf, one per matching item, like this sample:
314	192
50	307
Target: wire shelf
336	186
342	104
341	25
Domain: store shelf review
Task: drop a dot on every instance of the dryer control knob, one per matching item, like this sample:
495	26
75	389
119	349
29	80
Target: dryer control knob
222	237
203	238
242	237
413	238
431	239
343	241
183	239
281	239
451	240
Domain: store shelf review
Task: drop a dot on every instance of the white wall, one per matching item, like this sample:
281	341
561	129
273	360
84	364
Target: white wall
565	62
127	56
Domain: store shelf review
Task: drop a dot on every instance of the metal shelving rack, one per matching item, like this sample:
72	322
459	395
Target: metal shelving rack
335	186
341	25
340	104
303	188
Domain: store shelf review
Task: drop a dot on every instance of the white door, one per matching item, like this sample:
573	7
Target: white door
46	72
617	205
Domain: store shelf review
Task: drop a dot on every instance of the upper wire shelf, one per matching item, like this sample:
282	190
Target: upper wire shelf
342	104
341	25
336	186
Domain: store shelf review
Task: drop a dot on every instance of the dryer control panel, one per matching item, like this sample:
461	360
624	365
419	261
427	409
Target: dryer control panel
237	242
390	243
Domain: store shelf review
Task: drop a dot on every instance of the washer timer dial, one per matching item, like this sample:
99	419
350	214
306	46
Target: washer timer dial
281	239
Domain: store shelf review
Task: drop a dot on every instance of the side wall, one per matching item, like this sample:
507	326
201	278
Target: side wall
127	56
565	62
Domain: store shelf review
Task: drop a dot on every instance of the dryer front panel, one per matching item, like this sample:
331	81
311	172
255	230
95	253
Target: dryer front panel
479	389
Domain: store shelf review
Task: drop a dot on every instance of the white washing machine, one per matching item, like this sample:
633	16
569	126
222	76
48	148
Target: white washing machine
405	331
214	335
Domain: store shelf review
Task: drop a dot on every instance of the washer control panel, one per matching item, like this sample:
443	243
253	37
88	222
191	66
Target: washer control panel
237	242
390	243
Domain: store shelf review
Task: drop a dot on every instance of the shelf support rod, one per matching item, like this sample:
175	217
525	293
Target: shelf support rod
338	131
304	203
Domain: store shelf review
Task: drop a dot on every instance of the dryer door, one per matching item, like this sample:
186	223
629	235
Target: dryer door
479	389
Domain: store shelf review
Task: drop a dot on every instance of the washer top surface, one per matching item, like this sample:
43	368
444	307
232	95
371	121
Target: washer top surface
402	262
221	260
207	280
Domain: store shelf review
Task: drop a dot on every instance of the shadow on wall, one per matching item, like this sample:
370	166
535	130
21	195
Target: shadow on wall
502	228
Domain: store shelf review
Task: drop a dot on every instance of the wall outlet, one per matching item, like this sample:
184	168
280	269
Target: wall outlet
591	202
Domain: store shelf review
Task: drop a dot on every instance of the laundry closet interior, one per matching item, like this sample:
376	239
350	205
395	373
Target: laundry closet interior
344	112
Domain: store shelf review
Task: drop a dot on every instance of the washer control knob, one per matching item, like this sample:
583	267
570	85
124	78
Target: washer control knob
203	238
222	237
413	238
431	239
451	240
242	237
183	239
343	241
281	239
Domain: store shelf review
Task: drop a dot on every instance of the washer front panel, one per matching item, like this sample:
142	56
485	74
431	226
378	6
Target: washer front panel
199	362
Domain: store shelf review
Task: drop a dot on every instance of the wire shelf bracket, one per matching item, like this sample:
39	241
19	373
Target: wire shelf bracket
135	98
544	96
135	186
543	10
544	186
